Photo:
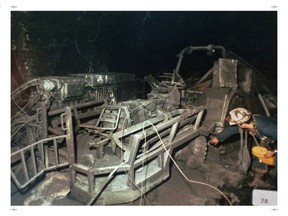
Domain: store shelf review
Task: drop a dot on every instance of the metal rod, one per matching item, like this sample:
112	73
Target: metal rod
24	166
33	160
56	152
264	104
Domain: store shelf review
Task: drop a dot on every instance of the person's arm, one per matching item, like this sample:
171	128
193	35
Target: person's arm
225	134
267	126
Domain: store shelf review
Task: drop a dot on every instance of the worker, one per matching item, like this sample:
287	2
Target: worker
262	127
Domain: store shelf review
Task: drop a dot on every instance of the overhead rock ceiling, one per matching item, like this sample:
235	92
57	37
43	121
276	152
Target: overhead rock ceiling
47	43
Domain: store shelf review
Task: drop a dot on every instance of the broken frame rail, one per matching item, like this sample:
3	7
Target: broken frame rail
48	151
44	163
139	170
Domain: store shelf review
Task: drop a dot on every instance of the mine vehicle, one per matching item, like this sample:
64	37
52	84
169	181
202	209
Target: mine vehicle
115	147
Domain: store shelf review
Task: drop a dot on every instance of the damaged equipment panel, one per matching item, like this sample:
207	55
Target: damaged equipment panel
114	147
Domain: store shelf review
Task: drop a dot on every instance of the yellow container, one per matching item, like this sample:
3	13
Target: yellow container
259	152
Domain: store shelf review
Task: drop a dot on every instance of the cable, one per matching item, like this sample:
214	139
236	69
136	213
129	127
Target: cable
191	181
33	82
98	28
90	63
16	131
126	172
147	16
142	193
143	162
92	200
110	176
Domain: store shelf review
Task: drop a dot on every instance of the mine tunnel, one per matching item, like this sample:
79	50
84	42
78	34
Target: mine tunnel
118	107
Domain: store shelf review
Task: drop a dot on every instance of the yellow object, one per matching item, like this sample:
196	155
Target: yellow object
259	152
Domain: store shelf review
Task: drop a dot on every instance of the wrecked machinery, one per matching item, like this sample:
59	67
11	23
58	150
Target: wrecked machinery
115	147
41	121
231	82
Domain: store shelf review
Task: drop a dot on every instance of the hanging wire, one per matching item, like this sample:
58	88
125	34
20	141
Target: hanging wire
98	28
76	44
191	181
126	171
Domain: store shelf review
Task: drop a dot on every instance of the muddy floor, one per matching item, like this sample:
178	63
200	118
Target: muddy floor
217	182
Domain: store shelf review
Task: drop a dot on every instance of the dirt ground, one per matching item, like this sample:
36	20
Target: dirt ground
220	171
226	185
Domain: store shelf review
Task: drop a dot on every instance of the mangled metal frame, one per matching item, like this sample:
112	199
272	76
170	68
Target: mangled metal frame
144	160
139	153
50	105
48	154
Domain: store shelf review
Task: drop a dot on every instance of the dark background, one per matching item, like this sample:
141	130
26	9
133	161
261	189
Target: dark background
140	42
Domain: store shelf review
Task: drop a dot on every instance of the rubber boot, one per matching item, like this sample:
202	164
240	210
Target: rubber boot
258	174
